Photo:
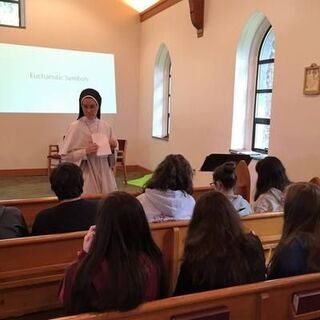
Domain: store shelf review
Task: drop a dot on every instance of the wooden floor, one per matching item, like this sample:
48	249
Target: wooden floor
39	186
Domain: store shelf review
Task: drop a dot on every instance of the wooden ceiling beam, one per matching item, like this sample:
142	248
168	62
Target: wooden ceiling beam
156	8
197	15
196	12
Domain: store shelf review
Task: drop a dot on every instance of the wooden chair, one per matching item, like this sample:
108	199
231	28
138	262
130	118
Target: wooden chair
243	180
121	158
53	157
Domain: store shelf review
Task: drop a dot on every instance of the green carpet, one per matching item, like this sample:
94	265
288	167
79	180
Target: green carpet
140	182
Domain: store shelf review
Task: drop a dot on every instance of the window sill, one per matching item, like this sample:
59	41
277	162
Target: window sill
163	139
252	154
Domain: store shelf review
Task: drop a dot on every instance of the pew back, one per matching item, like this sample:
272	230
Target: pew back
31	268
31	207
264	301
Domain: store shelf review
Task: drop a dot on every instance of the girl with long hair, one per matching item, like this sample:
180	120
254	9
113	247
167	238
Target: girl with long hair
225	179
298	251
120	265
217	252
167	195
271	183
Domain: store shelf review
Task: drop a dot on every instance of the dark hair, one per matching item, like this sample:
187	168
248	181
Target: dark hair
215	244
271	174
173	173
302	218
122	238
93	93
66	181
226	174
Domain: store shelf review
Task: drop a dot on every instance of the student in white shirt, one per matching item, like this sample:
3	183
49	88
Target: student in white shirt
271	183
167	194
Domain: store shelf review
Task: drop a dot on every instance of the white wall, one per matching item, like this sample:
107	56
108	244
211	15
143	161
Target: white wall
203	79
98	26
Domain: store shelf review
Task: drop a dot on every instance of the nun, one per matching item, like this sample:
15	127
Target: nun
80	145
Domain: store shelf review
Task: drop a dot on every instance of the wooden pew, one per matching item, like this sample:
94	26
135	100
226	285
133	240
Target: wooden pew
31	207
264	301
268	226
32	268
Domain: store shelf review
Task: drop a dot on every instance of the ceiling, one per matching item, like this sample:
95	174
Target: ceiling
140	5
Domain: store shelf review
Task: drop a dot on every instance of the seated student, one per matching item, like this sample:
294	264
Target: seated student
225	179
120	265
73	213
271	182
298	251
167	194
217	253
12	223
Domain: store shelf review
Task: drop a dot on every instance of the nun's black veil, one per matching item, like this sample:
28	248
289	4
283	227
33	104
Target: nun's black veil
92	93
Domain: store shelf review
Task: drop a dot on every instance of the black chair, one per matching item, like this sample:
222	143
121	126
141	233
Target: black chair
216	159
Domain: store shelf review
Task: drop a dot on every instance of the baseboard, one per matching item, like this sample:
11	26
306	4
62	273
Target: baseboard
23	172
44	171
136	167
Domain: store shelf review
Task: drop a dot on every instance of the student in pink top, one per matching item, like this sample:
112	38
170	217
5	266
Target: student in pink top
120	266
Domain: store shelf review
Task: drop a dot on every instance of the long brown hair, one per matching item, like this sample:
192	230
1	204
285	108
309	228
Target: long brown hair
122	238
271	174
215	243
301	219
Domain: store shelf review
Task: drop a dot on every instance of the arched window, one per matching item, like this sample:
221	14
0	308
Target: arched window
12	13
162	94
263	94
253	86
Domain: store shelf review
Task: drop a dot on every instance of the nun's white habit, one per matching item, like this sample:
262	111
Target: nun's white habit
98	176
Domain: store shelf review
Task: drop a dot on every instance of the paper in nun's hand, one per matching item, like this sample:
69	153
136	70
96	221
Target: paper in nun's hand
103	142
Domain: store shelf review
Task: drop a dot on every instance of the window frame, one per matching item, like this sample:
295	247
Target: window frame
167	102
259	120
162	74
21	11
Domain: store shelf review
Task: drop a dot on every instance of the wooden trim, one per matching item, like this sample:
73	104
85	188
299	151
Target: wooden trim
156	8
23	172
44	171
264	215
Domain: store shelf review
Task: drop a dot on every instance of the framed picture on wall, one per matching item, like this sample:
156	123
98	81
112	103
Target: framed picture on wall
312	80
